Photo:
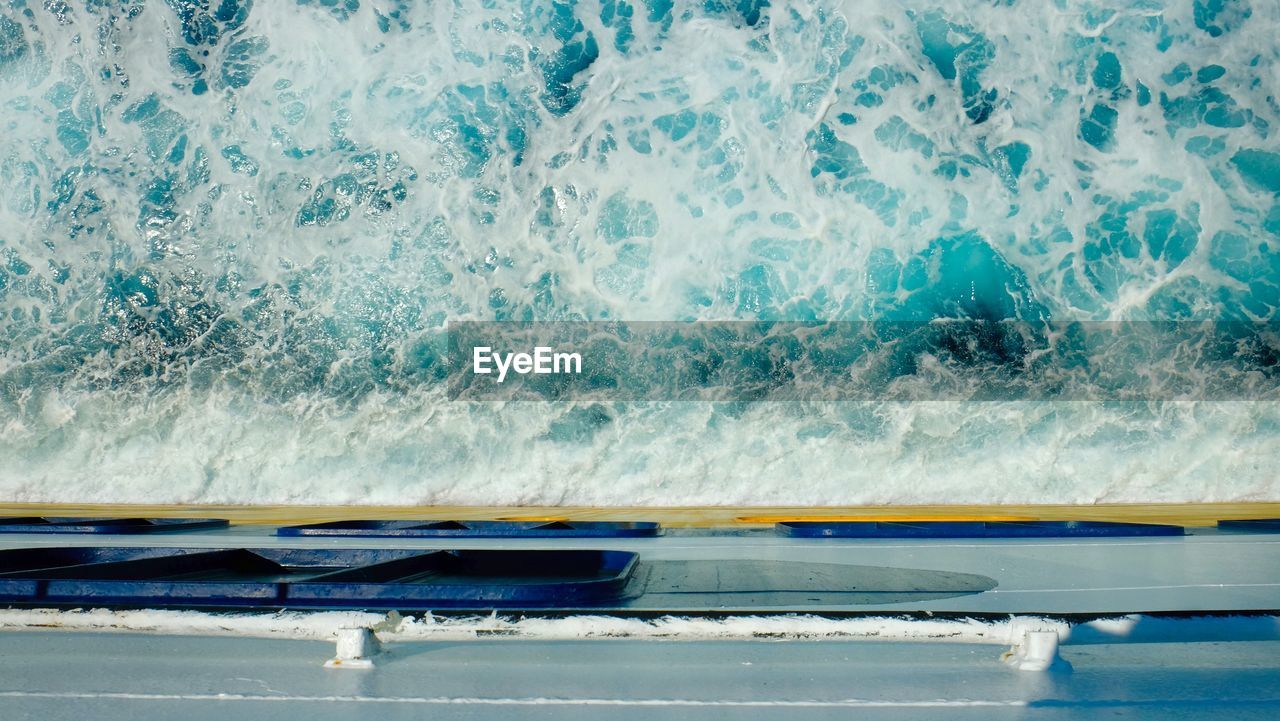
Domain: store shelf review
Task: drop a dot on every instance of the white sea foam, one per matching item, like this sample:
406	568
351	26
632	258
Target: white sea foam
257	335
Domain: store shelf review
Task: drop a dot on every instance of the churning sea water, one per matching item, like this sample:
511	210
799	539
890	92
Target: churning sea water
232	233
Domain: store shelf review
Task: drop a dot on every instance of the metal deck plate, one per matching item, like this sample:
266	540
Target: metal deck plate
1204	571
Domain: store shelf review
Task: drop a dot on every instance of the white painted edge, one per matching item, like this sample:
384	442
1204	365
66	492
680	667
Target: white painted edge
854	703
392	627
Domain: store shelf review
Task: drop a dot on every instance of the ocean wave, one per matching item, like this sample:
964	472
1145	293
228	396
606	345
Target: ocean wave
232	235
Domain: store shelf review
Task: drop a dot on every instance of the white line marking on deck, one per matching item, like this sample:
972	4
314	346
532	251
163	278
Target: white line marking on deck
463	701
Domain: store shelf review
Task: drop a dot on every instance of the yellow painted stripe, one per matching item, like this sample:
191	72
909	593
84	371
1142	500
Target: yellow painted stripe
1188	514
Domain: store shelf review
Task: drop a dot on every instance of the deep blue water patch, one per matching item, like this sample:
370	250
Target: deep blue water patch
959	53
13	43
1260	168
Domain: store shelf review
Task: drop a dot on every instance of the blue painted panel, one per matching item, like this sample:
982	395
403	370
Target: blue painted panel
331	578
973	529
1254	525
43	524
475	529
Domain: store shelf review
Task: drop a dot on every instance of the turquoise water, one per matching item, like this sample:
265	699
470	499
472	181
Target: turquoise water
231	235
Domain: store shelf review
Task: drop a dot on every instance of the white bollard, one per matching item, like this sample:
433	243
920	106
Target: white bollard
356	648
1036	651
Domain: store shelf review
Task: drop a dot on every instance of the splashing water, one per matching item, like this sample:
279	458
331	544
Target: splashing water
231	235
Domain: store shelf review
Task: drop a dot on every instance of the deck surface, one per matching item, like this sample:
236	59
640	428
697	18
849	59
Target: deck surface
52	676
